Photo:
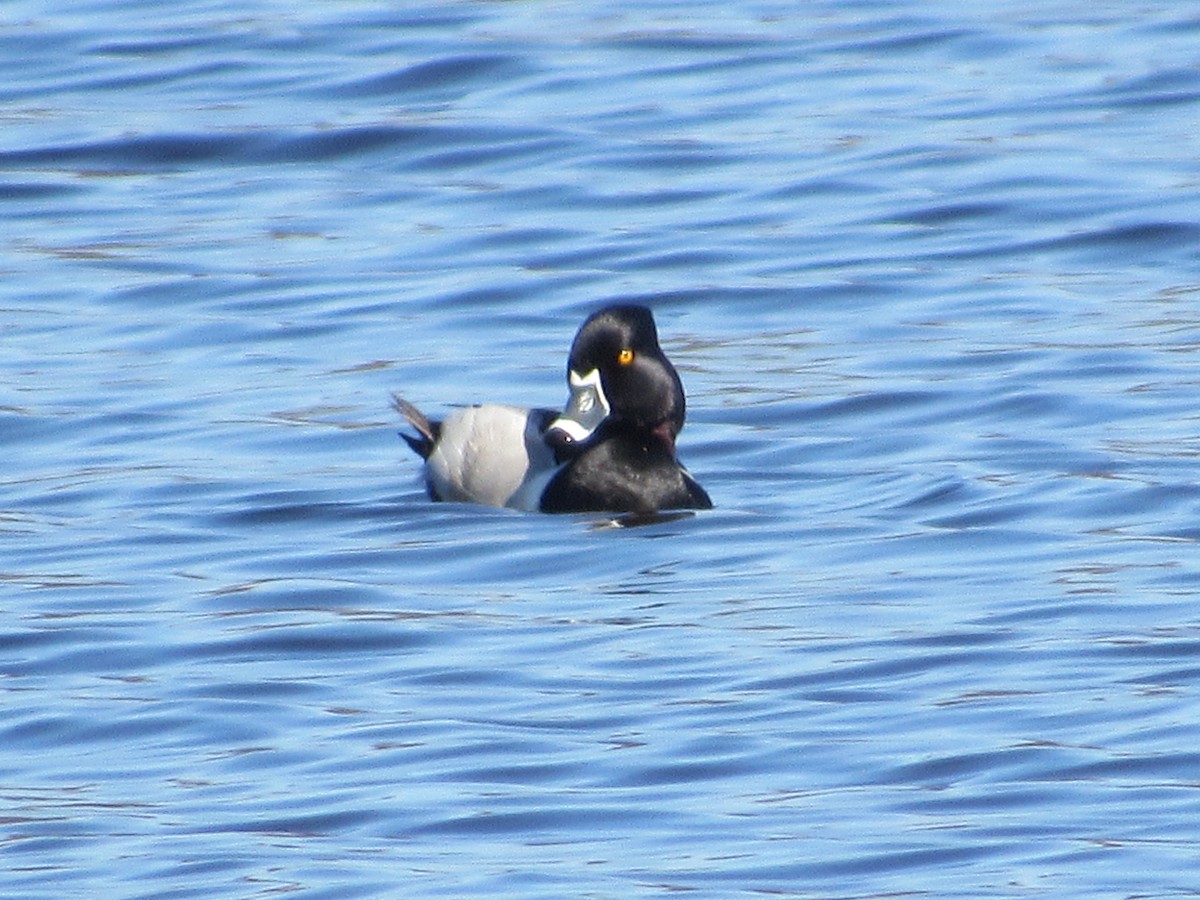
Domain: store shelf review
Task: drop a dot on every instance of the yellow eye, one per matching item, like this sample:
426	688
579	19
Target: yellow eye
625	357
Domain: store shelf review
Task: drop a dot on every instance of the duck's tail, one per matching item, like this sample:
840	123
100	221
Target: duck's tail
424	442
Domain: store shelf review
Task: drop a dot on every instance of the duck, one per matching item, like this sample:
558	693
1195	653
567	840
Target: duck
611	449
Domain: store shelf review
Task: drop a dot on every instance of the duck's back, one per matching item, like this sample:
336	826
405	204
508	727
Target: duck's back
493	455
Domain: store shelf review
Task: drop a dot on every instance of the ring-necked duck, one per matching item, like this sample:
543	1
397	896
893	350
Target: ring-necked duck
611	450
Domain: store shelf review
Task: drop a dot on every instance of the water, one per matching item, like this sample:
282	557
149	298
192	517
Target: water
931	274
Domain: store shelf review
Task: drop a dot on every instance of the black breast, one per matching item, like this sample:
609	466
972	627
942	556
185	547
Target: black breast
624	471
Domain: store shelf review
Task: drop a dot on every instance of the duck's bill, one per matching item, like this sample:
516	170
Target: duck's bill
586	408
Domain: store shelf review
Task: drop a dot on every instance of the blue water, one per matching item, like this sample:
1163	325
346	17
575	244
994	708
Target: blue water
931	273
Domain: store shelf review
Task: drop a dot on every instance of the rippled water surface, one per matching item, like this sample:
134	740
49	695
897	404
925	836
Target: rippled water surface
931	273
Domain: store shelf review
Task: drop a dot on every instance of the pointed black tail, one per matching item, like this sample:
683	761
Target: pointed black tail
424	442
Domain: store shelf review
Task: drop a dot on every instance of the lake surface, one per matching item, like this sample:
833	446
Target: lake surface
931	274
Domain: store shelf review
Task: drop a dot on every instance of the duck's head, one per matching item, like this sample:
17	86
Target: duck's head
618	372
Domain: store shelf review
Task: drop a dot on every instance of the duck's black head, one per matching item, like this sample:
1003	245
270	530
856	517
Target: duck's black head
619	374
